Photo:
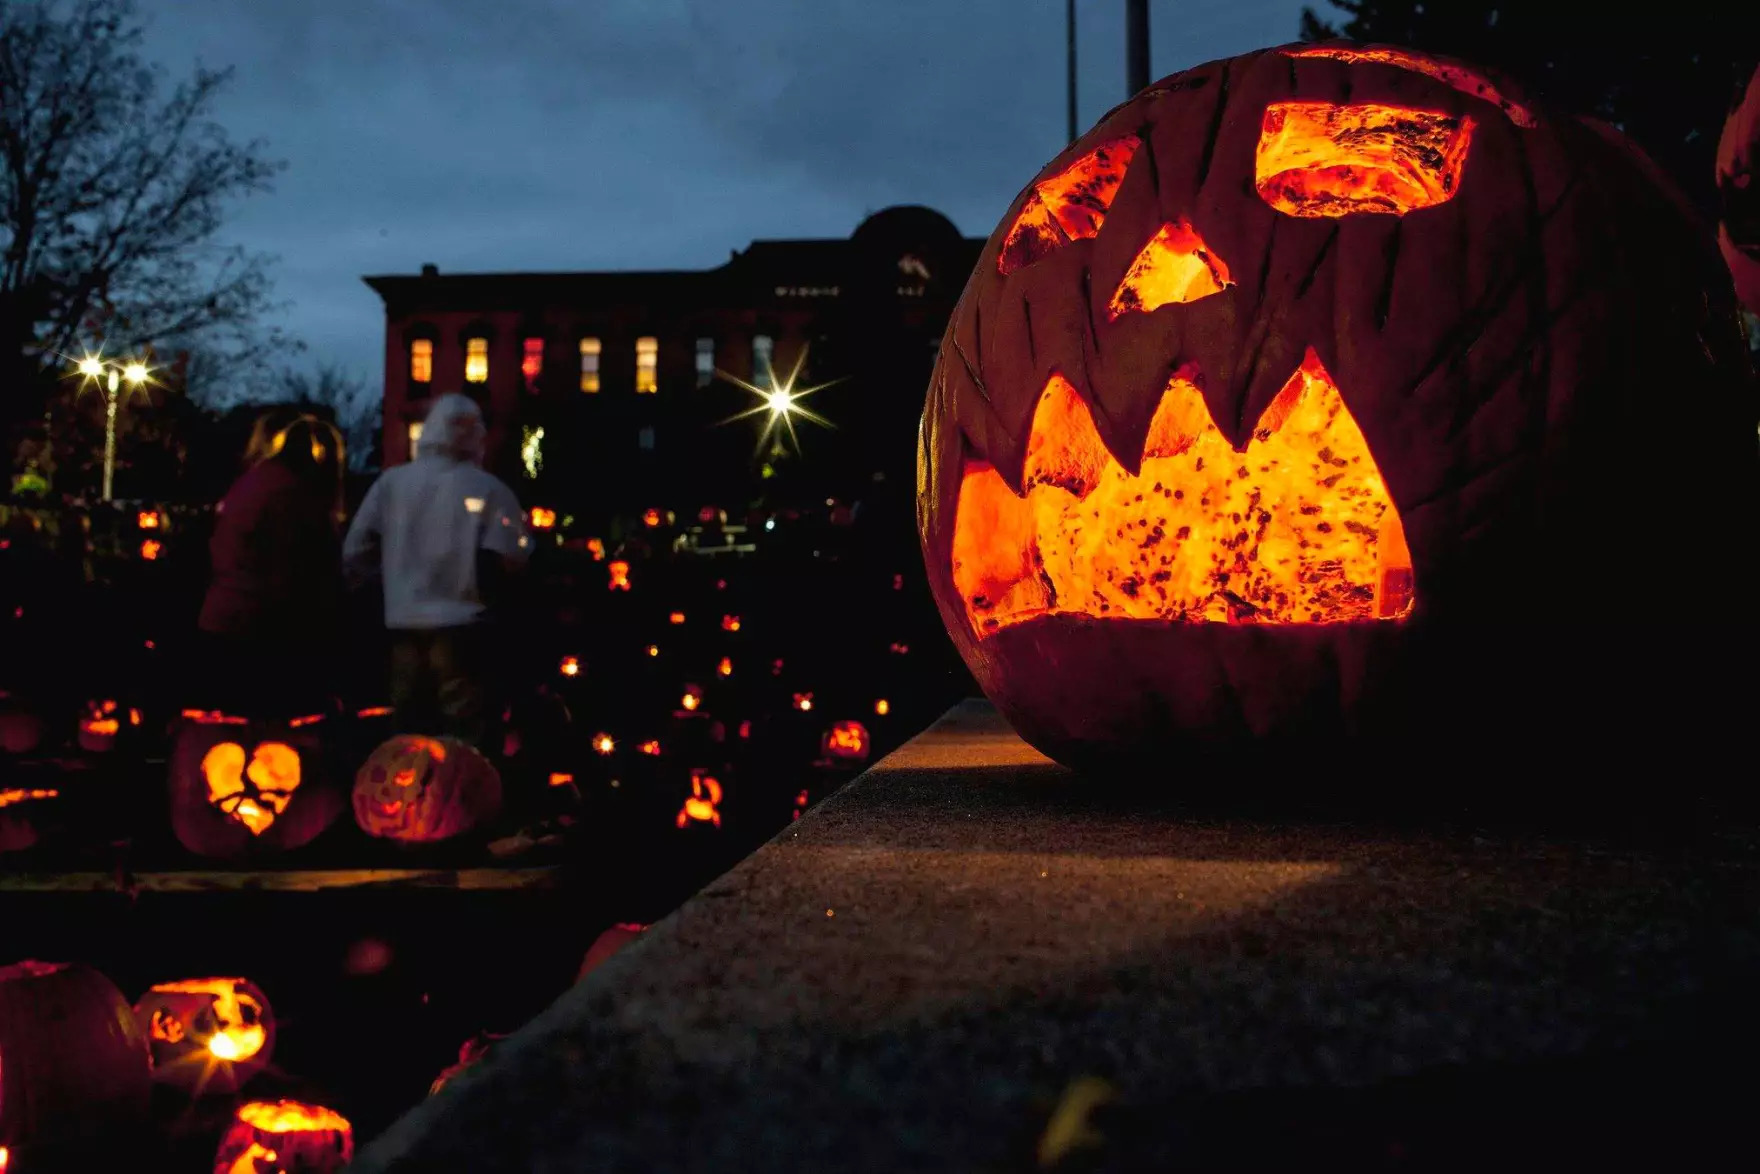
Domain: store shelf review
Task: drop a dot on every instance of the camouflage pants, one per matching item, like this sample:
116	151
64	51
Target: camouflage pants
442	682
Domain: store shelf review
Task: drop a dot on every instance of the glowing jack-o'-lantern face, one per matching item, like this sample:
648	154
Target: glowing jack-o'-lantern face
285	1136
1289	379
241	788
208	1035
419	789
252	791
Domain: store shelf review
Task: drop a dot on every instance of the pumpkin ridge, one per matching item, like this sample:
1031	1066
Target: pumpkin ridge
1384	298
1215	131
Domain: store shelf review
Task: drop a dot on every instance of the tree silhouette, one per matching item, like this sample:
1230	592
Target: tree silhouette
111	198
1667	75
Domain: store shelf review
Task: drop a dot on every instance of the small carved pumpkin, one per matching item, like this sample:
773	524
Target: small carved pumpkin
208	1035
288	1137
73	1062
243	789
419	789
1294	411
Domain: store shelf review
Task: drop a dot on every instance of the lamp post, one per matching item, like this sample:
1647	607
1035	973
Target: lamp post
112	375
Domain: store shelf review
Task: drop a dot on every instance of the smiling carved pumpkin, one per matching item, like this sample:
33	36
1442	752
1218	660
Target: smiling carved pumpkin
419	789
1328	396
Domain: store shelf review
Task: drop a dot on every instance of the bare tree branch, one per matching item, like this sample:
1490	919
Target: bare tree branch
112	194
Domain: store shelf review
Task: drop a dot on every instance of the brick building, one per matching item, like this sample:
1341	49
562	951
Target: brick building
610	391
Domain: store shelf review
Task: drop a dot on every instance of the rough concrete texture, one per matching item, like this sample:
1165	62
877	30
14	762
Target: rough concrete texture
917	974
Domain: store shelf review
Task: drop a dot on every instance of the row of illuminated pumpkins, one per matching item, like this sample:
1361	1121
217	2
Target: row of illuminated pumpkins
243	788
76	1061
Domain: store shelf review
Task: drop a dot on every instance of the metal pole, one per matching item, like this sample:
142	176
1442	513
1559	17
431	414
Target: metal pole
1136	51
110	429
1070	20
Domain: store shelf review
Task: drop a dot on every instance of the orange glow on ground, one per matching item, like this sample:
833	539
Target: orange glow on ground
725	668
883	707
1071	205
1454	76
1324	159
1175	266
676	617
619	576
560	778
150	549
1298	529
292	1117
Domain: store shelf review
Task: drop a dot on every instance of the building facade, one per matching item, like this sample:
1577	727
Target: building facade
613	391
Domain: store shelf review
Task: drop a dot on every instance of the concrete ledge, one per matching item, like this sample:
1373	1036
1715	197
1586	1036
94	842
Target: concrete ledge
972	960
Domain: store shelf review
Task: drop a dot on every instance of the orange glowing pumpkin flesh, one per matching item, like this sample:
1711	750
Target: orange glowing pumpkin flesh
285	1135
1283	407
243	789
209	1035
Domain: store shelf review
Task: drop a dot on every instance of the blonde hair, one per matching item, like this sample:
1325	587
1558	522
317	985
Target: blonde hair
314	449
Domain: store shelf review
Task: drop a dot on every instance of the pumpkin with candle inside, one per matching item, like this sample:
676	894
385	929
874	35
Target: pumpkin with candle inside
285	1135
1316	408
243	789
208	1035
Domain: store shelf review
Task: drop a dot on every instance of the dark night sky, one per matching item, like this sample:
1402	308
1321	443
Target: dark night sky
625	134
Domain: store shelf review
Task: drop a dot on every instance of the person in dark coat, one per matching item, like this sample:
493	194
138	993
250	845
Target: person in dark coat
270	616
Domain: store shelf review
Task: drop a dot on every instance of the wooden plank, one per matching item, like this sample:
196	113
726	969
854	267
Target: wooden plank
296	881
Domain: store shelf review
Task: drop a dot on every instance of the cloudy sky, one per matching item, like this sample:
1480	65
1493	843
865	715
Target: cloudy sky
627	134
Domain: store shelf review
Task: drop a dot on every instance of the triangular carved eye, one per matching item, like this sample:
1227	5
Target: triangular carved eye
1175	266
1071	205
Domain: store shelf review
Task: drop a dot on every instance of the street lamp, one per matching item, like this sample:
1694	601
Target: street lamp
112	374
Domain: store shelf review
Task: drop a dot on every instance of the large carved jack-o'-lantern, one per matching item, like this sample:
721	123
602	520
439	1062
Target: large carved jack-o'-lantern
419	789
243	789
1335	396
208	1035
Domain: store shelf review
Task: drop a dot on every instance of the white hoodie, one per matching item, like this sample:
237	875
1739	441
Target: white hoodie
425	521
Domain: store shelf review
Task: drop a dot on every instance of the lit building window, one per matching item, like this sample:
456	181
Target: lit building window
590	349
763	350
645	439
476	360
415	438
532	365
705	361
421	361
647	365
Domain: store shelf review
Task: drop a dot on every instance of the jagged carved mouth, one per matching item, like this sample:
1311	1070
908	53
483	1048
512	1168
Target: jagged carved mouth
1297	528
